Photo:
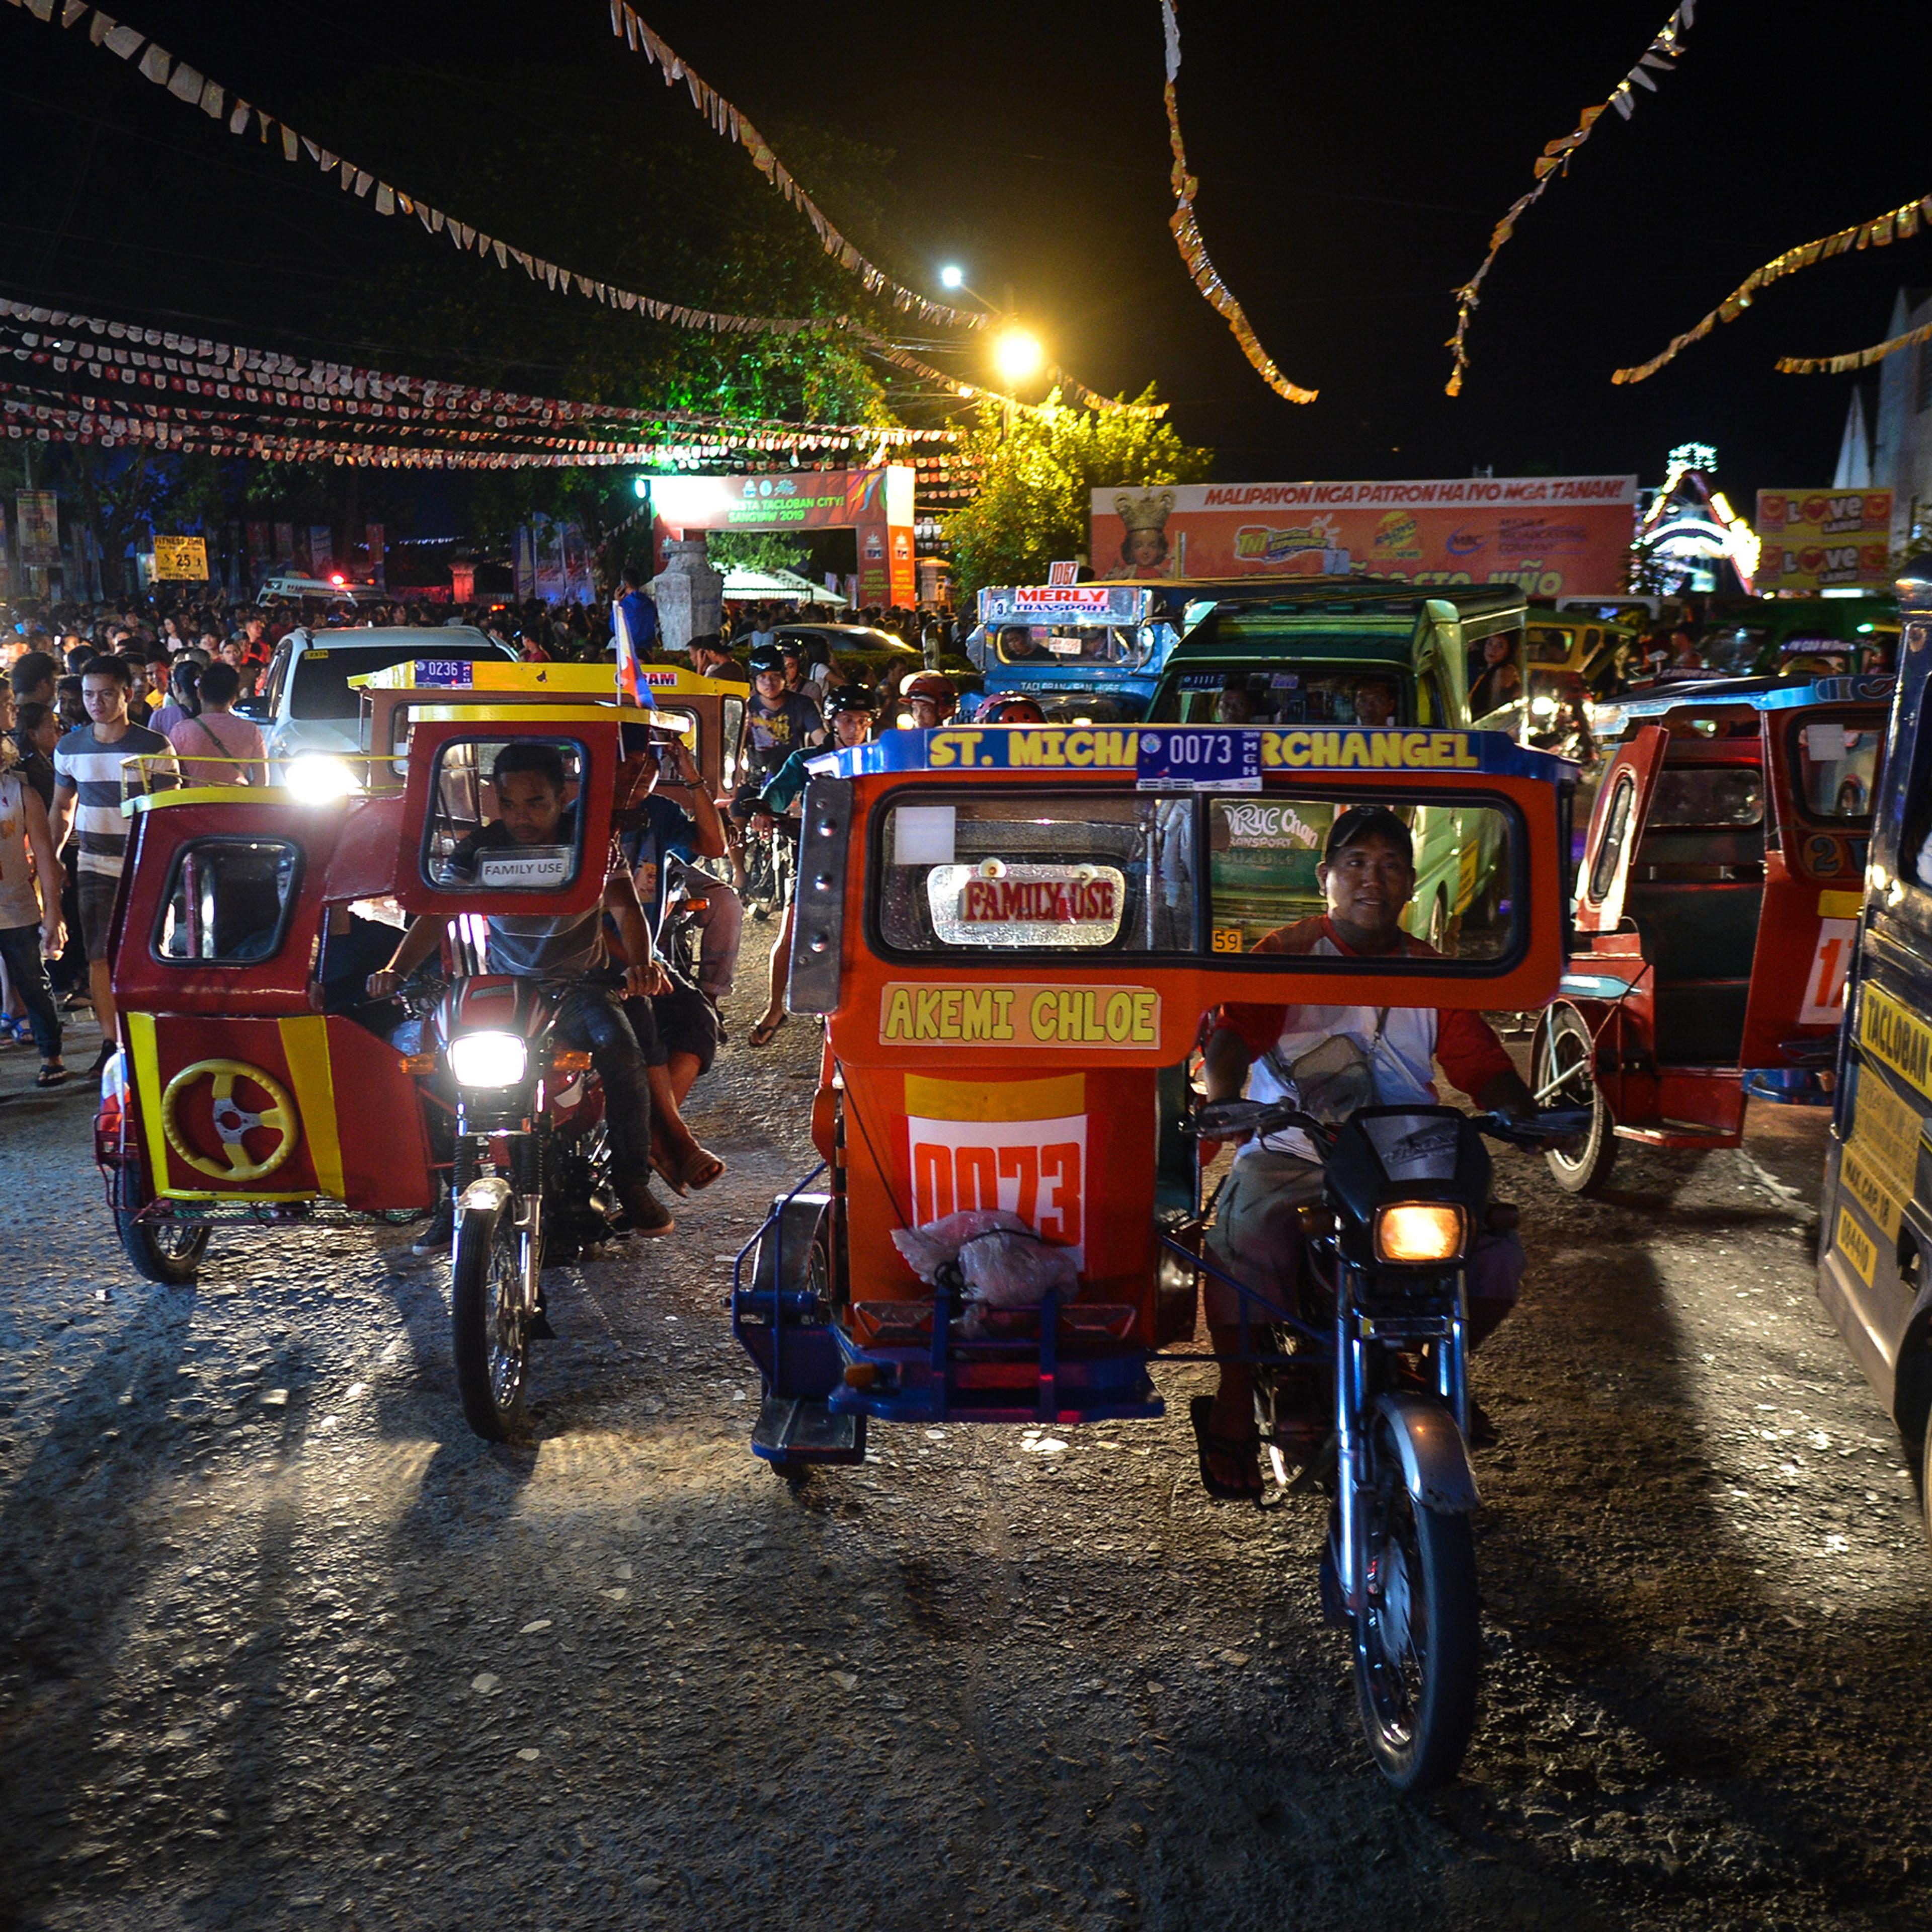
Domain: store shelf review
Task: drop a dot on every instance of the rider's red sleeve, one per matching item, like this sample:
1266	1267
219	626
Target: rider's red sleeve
1259	1026
1472	1053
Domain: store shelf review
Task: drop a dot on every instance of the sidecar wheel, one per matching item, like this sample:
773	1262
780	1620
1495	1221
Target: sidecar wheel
1563	1069
490	1337
168	1251
1417	1648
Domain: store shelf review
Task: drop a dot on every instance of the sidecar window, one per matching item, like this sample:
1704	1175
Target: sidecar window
227	902
1266	896
1023	872
503	815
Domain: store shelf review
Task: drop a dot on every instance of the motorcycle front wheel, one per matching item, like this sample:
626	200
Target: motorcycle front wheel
1416	1647
489	1332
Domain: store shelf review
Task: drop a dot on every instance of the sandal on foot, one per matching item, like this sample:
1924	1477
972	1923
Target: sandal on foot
53	1076
1233	1447
766	1031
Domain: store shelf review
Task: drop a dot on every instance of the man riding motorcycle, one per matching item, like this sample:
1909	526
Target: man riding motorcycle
931	698
849	711
1363	1055
569	954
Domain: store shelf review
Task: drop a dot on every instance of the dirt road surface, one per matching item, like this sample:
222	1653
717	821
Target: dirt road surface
284	1646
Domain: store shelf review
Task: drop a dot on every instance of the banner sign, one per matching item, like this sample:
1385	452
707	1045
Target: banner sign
876	503
180	559
1814	539
1100	603
1552	535
38	513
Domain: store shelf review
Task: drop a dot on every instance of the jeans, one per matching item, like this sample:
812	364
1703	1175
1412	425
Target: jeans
20	947
591	1017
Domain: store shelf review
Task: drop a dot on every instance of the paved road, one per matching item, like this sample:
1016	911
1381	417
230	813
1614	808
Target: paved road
283	1646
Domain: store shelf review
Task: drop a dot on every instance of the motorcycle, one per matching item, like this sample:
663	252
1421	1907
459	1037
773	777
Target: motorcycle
530	1183
1383	1318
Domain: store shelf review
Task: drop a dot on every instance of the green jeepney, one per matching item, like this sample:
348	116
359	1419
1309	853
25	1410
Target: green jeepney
1361	651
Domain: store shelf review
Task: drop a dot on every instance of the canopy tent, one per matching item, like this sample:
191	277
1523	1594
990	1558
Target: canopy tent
777	586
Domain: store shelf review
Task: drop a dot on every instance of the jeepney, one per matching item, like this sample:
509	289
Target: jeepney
1088	653
1876	1210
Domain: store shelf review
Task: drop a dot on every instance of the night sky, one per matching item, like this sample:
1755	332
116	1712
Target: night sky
1352	161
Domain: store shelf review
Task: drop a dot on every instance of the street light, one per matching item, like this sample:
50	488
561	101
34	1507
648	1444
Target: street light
1017	354
641	486
952	276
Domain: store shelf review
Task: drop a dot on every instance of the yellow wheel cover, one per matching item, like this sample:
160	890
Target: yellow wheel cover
231	1122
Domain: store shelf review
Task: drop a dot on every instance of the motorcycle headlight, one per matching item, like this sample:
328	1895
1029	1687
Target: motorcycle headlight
320	779
488	1059
1419	1230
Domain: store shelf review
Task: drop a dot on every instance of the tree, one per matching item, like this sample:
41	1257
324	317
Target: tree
1037	479
767	550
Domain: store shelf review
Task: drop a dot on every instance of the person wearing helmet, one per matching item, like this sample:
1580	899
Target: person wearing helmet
1010	710
931	698
777	722
849	710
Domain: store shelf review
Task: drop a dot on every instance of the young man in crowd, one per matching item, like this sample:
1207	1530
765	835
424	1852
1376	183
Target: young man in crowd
777	722
88	786
32	929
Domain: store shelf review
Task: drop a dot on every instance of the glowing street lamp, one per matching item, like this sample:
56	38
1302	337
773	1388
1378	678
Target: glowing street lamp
952	276
1017	354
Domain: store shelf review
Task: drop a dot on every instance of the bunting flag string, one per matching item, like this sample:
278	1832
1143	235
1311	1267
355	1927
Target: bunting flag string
226	371
1860	359
1898	224
1188	237
188	85
730	124
1660	56
183	432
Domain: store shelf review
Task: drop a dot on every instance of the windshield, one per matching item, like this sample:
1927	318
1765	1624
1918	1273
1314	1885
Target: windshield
1272	694
1548	646
1045	645
321	688
1837	765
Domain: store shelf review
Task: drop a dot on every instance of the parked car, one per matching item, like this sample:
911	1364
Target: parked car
311	716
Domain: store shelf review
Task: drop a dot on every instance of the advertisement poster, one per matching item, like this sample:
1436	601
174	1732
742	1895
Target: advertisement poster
1552	535
38	523
875	504
1816	539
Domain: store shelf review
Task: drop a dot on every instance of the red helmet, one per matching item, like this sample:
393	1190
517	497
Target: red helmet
1012	709
936	688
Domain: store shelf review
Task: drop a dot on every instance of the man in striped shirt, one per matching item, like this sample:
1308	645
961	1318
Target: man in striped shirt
89	784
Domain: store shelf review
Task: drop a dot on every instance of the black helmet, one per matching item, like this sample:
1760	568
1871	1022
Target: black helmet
850	697
767	657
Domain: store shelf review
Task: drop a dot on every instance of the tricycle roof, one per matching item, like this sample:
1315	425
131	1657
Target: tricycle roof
1146	752
507	677
1757	694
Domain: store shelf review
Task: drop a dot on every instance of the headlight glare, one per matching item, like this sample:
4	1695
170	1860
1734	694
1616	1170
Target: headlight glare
319	779
1419	1230
488	1059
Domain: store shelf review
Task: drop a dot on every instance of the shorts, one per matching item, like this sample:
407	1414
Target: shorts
680	1021
97	891
686	1023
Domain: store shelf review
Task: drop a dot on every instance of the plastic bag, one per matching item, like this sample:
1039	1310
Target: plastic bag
1002	1262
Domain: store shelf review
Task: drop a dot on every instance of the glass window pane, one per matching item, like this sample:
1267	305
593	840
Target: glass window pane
503	815
321	689
1837	768
1275	696
1050	873
1713	797
1616	834
1444	874
228	901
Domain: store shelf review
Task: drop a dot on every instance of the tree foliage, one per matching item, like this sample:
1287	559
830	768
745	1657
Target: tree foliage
1038	477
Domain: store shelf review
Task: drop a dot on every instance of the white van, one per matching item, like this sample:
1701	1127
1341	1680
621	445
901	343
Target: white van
309	715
